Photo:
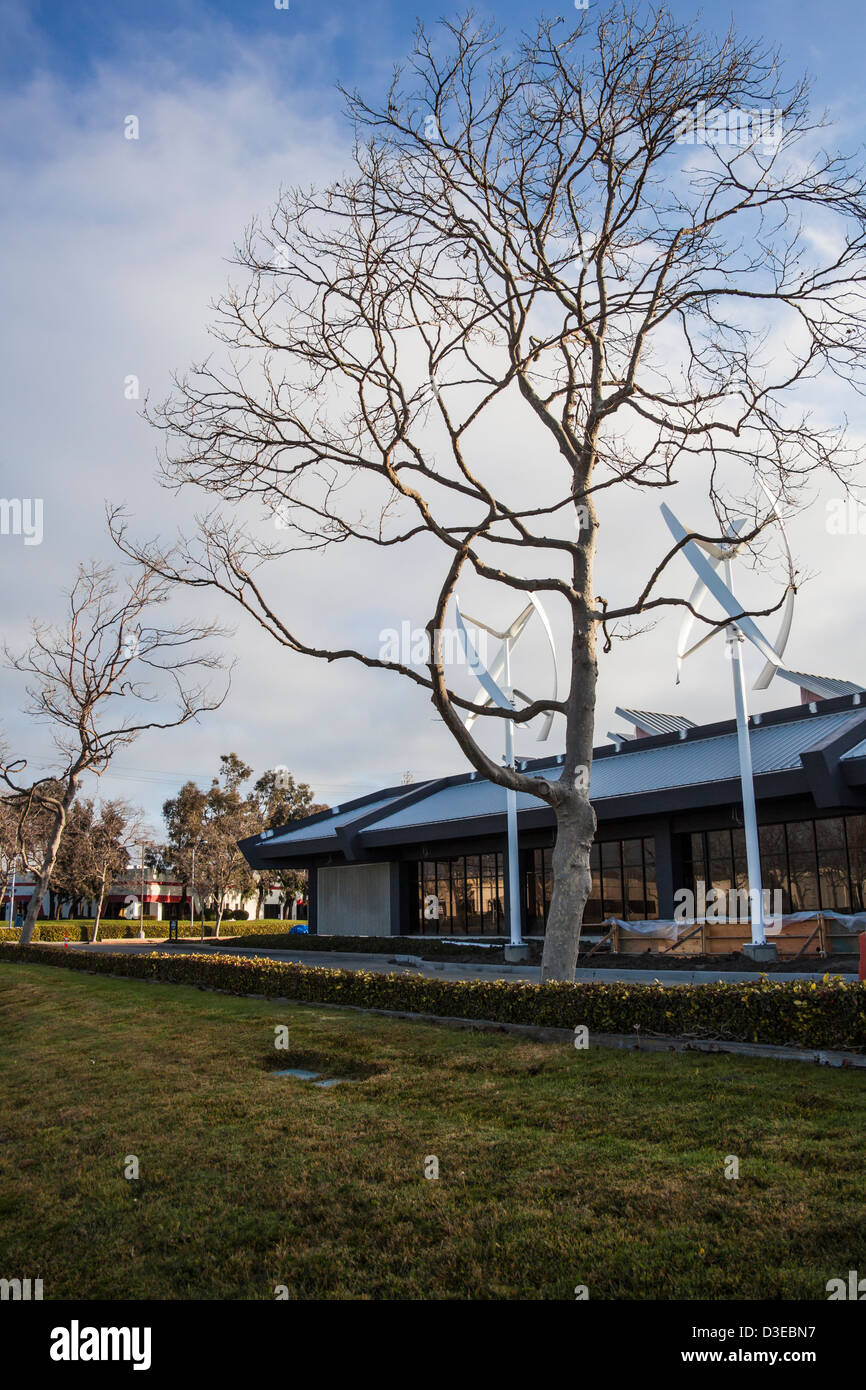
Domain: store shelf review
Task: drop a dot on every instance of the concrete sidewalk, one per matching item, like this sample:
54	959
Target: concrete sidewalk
414	965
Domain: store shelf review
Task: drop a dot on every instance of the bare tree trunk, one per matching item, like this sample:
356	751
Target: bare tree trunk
575	817
572	885
43	878
99	905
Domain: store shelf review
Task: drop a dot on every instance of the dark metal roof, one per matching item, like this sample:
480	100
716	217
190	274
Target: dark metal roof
828	687
650	723
792	750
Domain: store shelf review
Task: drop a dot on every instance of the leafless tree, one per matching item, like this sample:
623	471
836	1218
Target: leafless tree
94	681
116	829
525	230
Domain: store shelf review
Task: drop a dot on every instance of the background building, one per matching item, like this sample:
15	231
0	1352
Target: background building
430	858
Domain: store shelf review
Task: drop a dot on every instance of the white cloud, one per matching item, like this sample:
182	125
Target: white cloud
116	248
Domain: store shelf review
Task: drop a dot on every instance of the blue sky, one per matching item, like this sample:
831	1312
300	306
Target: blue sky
117	249
74	39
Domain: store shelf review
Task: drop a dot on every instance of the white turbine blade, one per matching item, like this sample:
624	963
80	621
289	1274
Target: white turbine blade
547	718
512	632
476	665
698	594
520	622
547	721
721	593
718	554
497	665
774	503
482	701
772	667
707	637
476	622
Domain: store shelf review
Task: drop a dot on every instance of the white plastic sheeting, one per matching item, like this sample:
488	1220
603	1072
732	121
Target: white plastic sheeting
672	931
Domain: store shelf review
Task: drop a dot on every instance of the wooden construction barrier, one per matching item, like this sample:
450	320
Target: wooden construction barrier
811	937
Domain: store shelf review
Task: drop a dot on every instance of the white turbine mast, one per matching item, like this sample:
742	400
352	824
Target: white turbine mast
496	689
706	558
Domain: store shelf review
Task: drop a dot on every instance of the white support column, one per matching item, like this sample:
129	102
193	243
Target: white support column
514	903
747	782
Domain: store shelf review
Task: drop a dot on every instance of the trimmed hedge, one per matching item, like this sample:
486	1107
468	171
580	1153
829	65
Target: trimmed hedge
81	929
831	1014
51	931
428	946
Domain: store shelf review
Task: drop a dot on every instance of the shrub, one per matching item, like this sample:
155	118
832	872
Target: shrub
278	935
799	1012
81	929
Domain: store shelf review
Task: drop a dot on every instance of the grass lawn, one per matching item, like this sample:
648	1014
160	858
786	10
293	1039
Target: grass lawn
557	1167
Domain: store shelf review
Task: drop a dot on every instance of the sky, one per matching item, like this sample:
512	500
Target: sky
113	251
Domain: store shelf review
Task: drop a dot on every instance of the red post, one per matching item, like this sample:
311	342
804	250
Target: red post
66	941
863	955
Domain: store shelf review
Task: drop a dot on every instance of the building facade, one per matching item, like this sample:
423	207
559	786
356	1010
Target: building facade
431	858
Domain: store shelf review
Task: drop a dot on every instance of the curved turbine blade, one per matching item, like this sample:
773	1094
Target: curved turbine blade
717	554
772	667
513	632
547	721
721	593
774	504
476	665
482	701
707	637
698	594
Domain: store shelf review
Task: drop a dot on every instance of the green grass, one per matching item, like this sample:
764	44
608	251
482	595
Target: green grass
557	1167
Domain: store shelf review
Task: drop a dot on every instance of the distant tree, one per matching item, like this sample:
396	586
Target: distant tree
95	849
184	822
72	878
26	821
280	800
212	822
8	847
117	828
93	680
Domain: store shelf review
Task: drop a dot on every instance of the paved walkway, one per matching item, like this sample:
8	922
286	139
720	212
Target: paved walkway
413	965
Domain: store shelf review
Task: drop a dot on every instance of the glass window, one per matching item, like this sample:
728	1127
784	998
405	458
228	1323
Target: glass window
469	890
830	833
772	839
491	894
652	897
450	899
696	845
774	871
801	837
719	844
855	831
833	880
635	898
611	879
804	882
473	894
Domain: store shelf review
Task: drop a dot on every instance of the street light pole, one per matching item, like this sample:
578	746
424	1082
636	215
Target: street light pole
12	899
192	893
141	910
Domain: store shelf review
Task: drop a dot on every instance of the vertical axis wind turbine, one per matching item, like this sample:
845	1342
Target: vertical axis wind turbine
706	558
503	694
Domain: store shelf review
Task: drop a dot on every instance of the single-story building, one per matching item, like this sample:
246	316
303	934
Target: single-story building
430	858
